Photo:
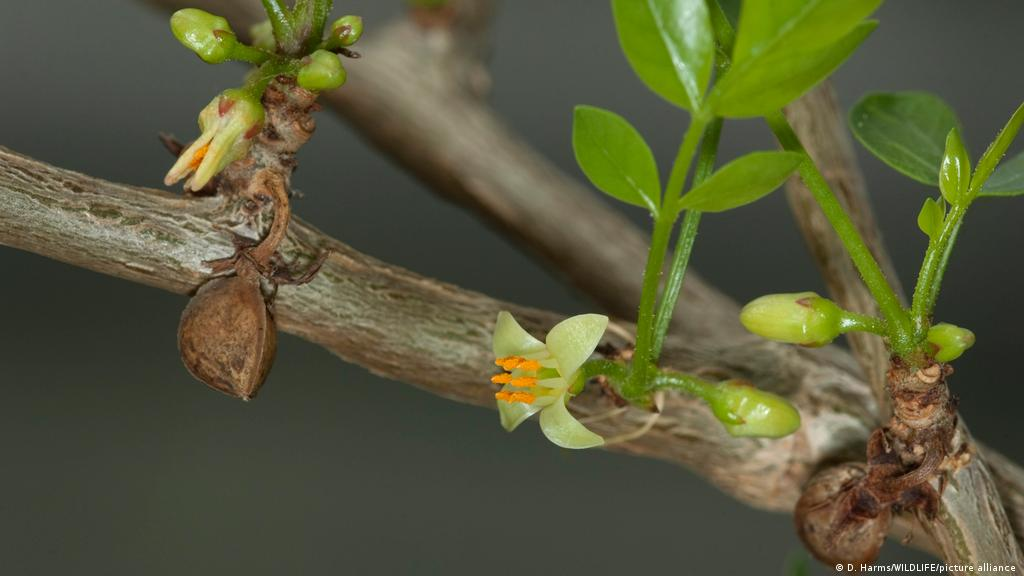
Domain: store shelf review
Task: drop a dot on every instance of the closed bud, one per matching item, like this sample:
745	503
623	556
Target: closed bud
955	170
802	318
321	70
208	35
345	31
227	335
949	341
262	35
746	411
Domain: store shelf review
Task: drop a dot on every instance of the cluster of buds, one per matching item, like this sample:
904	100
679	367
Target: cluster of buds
230	122
807	319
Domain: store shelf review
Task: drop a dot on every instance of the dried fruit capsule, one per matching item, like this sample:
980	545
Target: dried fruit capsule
839	519
227	335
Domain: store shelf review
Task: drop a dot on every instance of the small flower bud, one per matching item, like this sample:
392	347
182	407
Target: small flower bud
206	34
949	341
262	35
321	70
746	411
802	318
345	31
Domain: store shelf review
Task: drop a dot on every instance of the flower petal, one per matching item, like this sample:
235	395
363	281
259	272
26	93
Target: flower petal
574	339
565	430
515	413
511	340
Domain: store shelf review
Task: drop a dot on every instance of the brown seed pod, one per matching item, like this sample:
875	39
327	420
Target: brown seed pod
227	335
839	519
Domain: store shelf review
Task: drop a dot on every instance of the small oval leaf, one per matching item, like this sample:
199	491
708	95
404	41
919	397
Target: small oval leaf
931	216
742	181
669	44
906	130
1007	180
996	149
615	157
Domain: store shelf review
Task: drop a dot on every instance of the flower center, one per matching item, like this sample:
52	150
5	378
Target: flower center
525	377
197	158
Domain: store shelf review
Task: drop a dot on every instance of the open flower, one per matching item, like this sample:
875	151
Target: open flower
538	375
228	125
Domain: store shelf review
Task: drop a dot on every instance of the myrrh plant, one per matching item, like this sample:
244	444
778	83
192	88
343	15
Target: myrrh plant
714	65
778	51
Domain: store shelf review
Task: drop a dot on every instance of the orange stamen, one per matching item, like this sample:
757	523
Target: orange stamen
509	362
529	365
506	396
501	378
524	397
197	158
524	382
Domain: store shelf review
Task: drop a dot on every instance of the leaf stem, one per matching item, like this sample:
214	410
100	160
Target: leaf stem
933	267
663	224
686	240
901	335
281	23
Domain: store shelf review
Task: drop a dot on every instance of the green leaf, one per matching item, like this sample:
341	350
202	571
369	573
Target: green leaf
742	181
615	157
931	216
670	45
955	170
781	77
768	28
784	47
906	130
996	149
1008	180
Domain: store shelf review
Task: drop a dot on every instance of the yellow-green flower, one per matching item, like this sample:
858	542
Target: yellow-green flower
228	124
538	375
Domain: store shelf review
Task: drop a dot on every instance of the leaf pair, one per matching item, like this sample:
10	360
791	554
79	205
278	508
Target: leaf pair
783	48
618	161
918	134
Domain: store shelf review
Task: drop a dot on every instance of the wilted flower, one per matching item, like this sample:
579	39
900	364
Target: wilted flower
228	125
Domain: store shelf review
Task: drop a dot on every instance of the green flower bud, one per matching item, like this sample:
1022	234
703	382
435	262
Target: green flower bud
345	31
949	341
263	36
802	318
206	34
955	170
746	411
321	70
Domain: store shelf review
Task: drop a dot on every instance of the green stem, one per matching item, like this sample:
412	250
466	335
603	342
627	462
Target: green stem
281	22
250	54
669	380
258	80
933	267
686	240
853	322
663	224
901	335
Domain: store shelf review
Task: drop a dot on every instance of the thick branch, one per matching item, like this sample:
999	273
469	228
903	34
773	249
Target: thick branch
355	304
819	121
406	327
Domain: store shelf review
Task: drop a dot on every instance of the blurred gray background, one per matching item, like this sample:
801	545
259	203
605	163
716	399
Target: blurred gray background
116	462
